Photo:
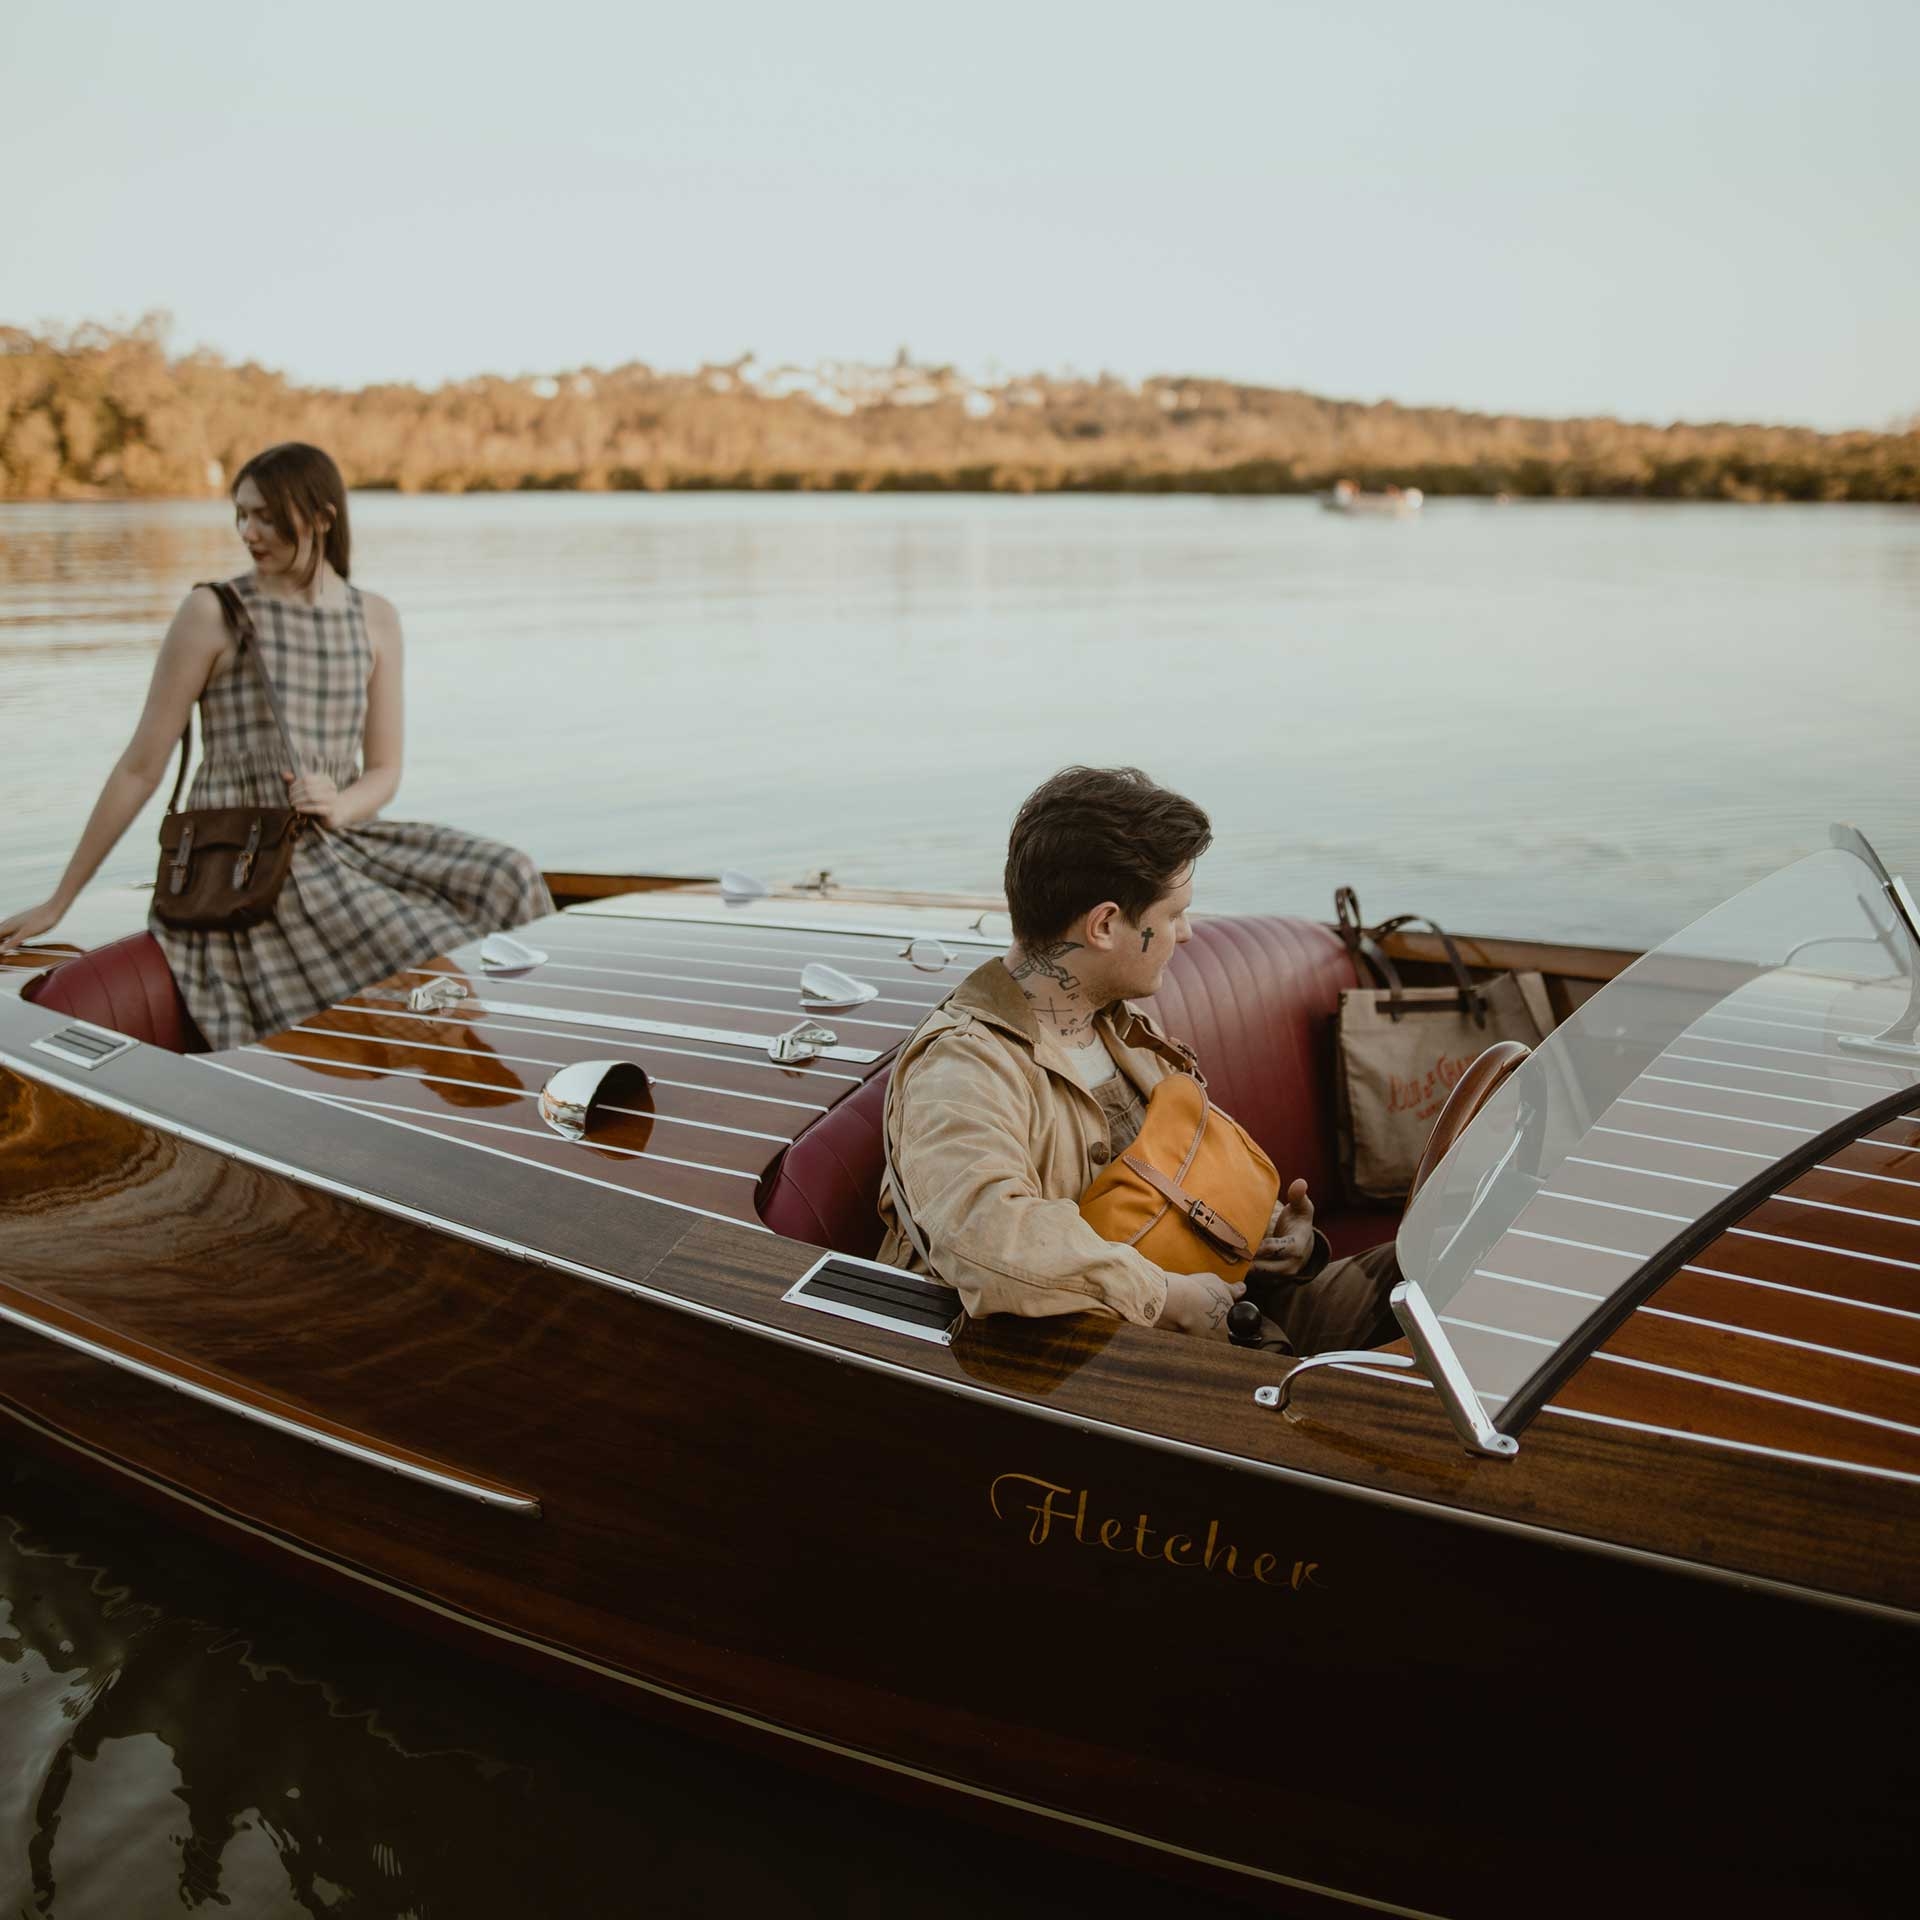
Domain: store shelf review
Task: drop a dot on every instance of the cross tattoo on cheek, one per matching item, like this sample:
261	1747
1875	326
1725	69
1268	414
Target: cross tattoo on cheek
1146	940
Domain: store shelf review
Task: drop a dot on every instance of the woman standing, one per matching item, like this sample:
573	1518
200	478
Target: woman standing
365	896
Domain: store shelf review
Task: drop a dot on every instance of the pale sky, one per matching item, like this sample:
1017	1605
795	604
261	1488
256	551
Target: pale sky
1698	209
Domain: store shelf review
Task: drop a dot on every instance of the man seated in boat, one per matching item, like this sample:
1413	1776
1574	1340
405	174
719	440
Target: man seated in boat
1034	1074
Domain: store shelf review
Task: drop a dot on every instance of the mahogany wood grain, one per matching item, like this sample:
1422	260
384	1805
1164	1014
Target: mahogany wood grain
788	1529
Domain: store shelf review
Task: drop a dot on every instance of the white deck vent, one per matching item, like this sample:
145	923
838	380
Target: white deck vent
83	1044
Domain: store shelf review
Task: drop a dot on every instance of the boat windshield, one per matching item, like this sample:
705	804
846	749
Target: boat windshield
1660	1110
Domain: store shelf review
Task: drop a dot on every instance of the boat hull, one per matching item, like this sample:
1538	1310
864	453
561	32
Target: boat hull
1343	1692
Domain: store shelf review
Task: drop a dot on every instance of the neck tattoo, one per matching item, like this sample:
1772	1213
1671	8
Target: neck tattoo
1061	1005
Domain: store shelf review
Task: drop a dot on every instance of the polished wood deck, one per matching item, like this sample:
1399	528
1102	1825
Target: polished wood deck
715	1115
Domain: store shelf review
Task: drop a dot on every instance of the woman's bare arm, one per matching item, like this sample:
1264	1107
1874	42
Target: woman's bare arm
193	646
382	745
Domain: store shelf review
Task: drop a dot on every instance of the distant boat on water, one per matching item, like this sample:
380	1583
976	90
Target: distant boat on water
1397	502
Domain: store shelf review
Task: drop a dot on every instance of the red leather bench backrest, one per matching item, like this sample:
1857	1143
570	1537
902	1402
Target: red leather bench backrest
126	985
1254	998
825	1188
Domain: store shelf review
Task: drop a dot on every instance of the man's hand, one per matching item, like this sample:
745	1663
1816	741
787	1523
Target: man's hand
1198	1303
1289	1242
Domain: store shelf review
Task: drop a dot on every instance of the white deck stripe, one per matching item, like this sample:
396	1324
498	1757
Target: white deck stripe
1788	1026
664	999
541	1136
1805	1293
1728	1119
1765	1046
1833	1206
1692	1146
509	1093
471	1146
1791	1073
1614	1206
1736	1446
1820	1005
1540	1286
1821	1246
1649	1173
1780	1339
1759	1393
1859	1173
902	972
757	1063
1503	1333
1891	1146
790	992
1754	1093
534	1060
1585	1246
1775	1286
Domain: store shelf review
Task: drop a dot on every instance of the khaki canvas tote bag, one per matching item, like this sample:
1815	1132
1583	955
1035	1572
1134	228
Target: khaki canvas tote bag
1401	1048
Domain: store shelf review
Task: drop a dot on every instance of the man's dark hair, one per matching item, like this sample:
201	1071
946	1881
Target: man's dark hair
1097	833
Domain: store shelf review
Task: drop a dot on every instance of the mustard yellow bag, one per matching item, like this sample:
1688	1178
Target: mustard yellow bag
1194	1192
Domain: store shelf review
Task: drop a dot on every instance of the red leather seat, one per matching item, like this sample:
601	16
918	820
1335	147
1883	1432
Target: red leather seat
1254	998
126	985
825	1188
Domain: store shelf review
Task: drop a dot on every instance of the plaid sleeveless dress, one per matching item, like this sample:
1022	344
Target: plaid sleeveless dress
359	903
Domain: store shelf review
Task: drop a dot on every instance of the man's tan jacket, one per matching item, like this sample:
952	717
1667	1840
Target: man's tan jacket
1001	1141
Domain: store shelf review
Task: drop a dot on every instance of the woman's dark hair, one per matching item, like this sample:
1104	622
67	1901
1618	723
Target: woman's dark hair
1097	833
303	490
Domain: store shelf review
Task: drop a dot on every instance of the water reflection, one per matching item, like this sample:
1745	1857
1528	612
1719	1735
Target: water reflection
206	1734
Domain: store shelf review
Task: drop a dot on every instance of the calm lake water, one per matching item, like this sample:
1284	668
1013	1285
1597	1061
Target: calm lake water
1590	721
1583	721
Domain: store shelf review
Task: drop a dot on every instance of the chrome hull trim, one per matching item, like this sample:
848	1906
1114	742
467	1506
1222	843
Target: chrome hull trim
262	1417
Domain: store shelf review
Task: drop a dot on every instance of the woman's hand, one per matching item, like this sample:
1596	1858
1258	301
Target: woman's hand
315	794
23	929
1289	1242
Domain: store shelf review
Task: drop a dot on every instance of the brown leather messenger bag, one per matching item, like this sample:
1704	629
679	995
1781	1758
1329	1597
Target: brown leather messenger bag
222	868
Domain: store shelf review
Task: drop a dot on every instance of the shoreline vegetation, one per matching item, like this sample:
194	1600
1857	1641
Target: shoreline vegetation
94	413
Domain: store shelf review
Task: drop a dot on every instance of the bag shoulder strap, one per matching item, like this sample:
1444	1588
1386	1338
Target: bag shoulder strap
247	639
1176	1053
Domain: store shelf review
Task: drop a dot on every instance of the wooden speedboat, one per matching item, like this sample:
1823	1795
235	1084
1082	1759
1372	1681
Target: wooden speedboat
528	1295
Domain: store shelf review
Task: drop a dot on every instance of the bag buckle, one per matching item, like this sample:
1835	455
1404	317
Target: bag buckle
243	866
177	883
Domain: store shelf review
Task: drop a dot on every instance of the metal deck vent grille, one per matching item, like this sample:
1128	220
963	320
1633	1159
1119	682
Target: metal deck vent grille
879	1296
83	1044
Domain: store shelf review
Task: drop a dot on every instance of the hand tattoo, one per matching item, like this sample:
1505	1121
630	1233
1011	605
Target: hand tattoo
1217	1312
1045	960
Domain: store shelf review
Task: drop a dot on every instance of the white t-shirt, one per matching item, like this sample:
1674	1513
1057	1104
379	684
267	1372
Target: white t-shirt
1093	1066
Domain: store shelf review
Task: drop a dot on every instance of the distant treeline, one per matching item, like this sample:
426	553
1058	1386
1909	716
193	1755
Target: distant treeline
95	414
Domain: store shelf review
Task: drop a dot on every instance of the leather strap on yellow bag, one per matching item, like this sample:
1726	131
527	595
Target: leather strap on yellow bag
1198	1215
